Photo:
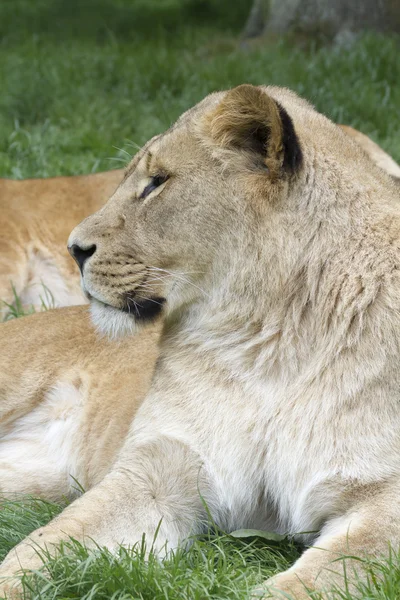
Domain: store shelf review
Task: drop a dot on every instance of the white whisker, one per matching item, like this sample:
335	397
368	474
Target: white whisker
128	154
180	277
133	144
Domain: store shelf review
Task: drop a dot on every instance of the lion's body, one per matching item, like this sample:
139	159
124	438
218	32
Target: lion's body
64	421
269	243
36	218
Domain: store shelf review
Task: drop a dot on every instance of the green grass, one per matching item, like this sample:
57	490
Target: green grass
75	89
81	84
16	308
216	566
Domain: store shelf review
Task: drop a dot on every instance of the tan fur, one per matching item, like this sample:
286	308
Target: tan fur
275	394
375	152
36	218
244	111
60	348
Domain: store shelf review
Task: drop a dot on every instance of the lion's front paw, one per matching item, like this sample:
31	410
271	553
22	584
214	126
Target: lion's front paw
21	558
285	586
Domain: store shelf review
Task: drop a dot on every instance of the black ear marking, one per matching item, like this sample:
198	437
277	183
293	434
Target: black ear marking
293	156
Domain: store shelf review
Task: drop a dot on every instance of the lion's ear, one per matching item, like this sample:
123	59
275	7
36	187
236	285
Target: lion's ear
249	119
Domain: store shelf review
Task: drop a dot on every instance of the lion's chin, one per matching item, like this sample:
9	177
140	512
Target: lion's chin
111	321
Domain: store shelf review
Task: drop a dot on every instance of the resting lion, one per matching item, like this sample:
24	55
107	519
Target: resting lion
37	215
269	243
36	218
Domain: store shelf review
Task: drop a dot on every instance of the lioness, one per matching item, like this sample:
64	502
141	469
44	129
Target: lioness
36	218
269	242
64	421
37	215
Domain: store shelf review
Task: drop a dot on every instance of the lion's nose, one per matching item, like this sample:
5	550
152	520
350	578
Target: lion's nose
81	254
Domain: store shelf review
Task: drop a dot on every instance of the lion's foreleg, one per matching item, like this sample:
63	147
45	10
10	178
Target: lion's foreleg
341	555
154	488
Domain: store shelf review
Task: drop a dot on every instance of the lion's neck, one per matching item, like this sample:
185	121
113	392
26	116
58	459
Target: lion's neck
311	299
243	328
259	325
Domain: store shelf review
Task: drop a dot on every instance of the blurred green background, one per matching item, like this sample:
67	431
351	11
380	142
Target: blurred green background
82	82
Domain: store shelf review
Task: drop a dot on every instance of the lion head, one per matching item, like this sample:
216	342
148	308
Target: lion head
225	200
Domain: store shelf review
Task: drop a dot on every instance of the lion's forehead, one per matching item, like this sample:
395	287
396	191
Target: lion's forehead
182	131
142	155
168	153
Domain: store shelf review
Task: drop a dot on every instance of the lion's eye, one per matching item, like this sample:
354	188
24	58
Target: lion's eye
155	182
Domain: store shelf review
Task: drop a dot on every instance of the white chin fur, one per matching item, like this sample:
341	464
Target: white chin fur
112	322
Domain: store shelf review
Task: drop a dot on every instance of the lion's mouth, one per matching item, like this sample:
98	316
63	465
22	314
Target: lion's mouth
140	309
143	309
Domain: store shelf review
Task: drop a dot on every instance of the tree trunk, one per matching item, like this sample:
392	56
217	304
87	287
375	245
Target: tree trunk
256	21
329	17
